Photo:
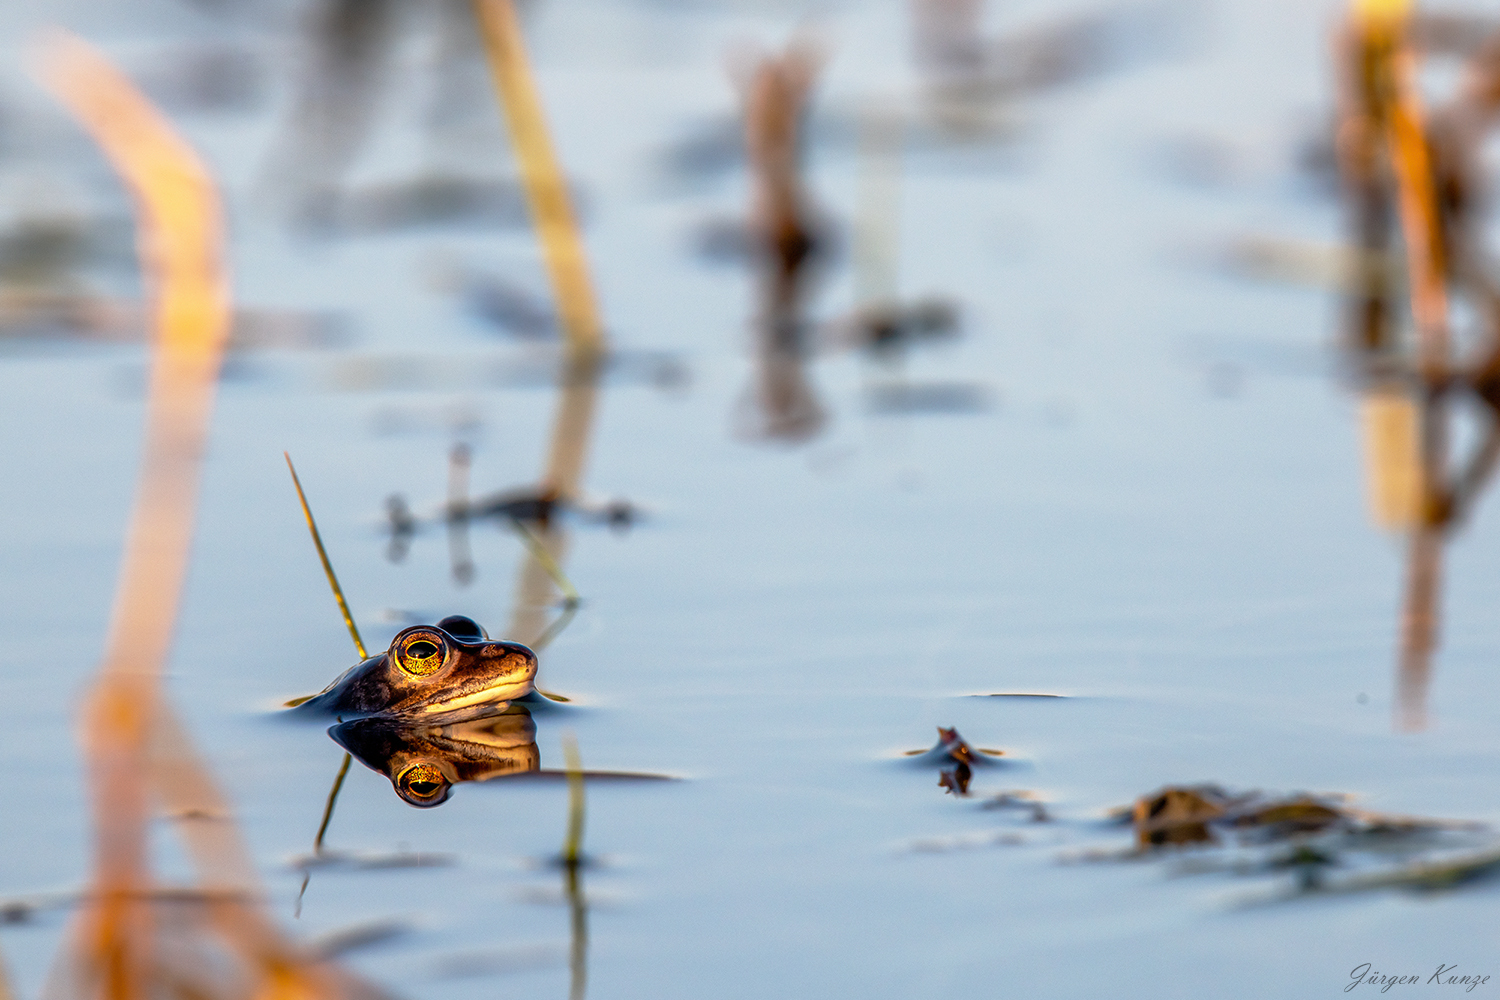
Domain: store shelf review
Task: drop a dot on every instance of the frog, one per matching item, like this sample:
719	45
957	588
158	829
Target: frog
433	675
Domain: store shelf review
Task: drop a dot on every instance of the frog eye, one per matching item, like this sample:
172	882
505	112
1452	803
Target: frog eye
419	653
422	785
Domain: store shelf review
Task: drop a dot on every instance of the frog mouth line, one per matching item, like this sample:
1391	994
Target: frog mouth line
495	694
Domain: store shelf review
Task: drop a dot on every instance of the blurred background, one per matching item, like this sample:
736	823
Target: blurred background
954	348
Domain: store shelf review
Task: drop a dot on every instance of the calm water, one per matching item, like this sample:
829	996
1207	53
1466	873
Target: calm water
1160	514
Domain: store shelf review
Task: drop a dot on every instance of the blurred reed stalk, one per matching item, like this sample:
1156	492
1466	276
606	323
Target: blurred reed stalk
1384	120
786	242
775	102
567	266
126	942
546	188
546	546
460	459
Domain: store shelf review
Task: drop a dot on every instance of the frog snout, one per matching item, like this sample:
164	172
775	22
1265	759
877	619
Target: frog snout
521	659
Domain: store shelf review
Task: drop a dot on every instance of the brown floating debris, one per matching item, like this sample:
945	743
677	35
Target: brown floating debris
1177	816
1190	815
1322	842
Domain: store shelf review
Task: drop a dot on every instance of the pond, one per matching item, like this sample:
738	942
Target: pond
1132	478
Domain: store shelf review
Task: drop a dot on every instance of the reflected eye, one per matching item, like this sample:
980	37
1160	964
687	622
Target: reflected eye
422	785
420	654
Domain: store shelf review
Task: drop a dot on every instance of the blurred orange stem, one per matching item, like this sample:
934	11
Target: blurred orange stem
546	188
181	254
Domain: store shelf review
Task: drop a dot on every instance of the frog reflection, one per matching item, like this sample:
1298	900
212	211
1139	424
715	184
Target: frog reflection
432	675
423	763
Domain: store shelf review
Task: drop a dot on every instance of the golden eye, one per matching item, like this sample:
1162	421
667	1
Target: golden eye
419	654
422	785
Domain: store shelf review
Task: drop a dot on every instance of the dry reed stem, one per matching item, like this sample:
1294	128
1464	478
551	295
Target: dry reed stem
181	248
5	990
1420	222
1392	457
1419	626
539	582
571	428
546	189
1382	26
132	742
775	98
179	245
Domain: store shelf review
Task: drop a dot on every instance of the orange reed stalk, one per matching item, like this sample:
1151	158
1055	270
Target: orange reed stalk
546	189
1382	28
1411	160
180	247
562	243
134	746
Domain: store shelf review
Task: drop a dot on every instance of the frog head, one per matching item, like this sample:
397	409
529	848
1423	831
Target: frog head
432	674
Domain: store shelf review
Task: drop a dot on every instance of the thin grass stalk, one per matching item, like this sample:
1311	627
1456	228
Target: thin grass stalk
544	559
359	645
578	965
572	852
333	580
572	858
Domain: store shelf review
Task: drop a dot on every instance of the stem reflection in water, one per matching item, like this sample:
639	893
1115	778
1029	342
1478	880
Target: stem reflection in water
1400	163
572	864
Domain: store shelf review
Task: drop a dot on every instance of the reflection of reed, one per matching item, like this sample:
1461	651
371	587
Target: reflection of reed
787	241
1398	163
572	864
459	460
349	53
578	951
567	267
537	587
127	941
1419	625
972	79
546	190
